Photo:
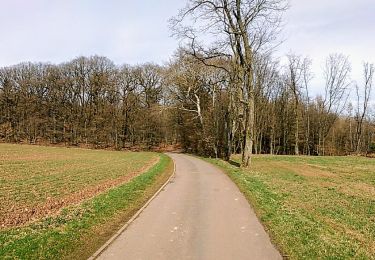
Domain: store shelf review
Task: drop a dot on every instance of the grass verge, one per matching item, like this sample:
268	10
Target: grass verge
78	231
313	207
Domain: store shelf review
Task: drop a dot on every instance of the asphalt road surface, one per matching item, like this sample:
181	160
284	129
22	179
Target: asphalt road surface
201	214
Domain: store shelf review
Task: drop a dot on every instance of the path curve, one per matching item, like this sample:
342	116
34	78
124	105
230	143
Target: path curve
201	214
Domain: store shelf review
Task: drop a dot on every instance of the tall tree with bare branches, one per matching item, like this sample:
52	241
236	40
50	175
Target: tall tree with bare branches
337	81
241	29
363	102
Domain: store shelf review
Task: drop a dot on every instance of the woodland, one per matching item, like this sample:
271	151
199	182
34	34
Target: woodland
223	92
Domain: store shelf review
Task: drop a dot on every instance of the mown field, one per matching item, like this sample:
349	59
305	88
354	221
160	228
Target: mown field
65	202
313	207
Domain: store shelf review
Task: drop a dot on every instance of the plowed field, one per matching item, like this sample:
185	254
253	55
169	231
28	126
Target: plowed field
39	181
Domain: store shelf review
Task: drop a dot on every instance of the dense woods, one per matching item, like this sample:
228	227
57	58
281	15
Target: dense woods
86	101
215	97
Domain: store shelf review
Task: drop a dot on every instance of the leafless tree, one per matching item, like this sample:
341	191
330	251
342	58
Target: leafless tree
295	79
240	30
337	81
362	105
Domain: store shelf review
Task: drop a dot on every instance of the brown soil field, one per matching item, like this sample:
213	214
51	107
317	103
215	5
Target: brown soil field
37	181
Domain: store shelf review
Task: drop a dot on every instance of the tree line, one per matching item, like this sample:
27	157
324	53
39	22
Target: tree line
86	101
217	95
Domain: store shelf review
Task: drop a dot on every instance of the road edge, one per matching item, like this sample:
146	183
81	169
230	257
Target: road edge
134	217
225	171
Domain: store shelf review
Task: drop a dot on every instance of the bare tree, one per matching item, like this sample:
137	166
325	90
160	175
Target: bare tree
294	78
307	77
362	105
337	77
241	29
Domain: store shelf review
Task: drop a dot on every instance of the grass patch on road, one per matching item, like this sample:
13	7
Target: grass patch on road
77	230
313	207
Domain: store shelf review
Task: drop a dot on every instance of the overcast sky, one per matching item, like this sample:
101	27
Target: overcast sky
128	31
316	28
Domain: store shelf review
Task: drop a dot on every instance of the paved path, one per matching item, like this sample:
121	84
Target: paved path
200	215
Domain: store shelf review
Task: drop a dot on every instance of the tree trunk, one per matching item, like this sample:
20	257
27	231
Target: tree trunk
296	135
249	131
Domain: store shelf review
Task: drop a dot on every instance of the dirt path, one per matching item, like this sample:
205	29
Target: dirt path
200	215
